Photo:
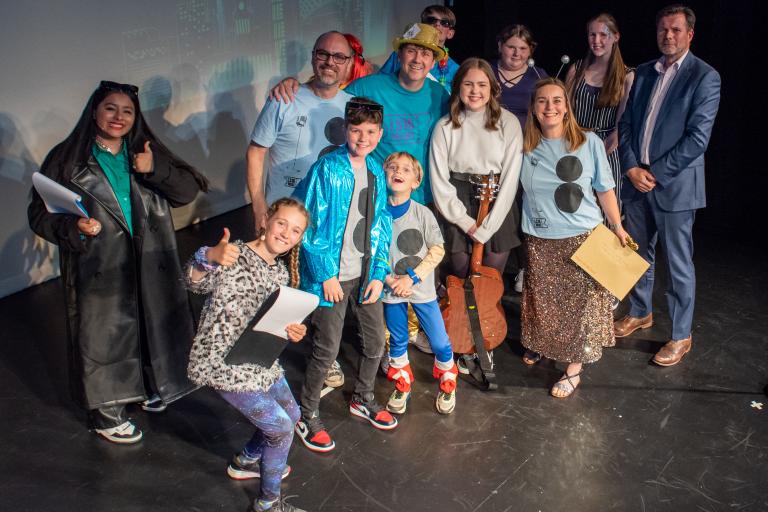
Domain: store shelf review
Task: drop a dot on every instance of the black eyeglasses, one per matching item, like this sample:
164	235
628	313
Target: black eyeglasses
124	88
359	106
338	58
431	20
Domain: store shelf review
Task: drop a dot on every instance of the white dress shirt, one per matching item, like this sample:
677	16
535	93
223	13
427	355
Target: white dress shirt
664	81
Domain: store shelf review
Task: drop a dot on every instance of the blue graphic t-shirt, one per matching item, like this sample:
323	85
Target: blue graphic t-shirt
297	134
408	119
558	199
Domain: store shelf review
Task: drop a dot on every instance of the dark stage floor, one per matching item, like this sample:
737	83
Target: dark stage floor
634	437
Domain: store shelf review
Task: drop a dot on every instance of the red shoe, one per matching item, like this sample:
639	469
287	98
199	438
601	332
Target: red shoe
314	436
374	413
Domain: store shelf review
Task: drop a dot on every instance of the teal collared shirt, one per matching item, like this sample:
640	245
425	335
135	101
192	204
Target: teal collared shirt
117	170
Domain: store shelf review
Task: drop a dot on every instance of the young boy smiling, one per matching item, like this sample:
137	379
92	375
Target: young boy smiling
416	249
344	262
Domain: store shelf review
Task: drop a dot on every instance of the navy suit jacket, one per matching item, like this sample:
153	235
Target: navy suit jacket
680	136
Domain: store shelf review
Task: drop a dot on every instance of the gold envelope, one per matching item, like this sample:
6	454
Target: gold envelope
615	267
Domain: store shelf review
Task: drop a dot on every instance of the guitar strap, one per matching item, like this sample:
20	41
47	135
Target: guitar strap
485	375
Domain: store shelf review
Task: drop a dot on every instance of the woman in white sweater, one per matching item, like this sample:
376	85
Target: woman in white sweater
476	137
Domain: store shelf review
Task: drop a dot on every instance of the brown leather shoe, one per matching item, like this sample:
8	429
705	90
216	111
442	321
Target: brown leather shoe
673	351
630	324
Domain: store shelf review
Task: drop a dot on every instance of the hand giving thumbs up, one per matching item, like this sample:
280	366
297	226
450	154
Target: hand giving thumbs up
224	253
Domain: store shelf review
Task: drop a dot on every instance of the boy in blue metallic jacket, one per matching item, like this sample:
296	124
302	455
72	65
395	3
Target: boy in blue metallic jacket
344	260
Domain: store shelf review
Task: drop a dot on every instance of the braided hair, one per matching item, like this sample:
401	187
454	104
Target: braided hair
293	259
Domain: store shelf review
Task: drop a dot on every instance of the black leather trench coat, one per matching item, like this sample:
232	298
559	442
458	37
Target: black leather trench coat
120	288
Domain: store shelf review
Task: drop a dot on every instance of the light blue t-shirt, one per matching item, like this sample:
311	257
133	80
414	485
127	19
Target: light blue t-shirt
408	119
297	134
442	74
558	198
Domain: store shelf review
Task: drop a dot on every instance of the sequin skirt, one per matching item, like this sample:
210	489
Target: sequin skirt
566	315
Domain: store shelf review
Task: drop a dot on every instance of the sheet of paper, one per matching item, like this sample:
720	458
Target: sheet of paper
291	307
615	267
57	198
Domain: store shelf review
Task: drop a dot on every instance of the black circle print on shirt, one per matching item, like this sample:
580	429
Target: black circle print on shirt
409	242
334	133
358	235
568	196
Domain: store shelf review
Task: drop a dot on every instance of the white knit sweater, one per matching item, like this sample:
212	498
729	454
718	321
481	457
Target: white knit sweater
474	149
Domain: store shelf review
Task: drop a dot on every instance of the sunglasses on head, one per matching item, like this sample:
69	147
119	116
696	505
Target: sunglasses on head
357	106
431	20
114	86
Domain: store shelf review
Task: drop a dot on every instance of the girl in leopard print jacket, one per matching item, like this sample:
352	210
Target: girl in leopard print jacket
239	277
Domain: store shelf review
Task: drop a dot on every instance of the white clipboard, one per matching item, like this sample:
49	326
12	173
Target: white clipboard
58	198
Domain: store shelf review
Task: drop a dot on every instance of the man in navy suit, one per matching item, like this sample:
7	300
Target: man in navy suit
663	134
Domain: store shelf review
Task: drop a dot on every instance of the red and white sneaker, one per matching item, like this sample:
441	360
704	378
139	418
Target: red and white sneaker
374	413
314	436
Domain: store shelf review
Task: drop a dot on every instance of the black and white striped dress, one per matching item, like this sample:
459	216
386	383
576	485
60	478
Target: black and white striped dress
601	120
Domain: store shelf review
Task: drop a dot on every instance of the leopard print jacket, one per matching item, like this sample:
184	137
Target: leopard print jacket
236	293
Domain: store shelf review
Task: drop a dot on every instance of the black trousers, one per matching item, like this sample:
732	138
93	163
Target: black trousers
327	324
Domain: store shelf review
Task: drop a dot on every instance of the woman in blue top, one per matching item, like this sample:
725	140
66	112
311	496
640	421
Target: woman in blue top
566	315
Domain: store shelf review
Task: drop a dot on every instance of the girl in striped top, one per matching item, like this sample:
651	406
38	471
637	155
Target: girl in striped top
599	85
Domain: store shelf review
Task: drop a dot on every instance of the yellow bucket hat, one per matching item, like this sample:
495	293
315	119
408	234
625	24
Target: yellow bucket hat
421	34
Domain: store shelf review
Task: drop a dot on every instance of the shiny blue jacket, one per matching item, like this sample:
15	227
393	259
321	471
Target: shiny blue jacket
327	193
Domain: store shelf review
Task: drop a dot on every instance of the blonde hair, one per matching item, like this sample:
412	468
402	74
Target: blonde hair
293	264
572	132
414	162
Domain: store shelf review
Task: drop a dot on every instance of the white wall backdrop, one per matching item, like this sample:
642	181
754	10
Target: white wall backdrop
203	68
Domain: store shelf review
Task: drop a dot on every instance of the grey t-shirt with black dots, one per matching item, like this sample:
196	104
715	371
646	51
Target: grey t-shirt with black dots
352	248
413	234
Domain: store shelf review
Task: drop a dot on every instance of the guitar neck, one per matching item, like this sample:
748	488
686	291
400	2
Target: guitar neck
476	258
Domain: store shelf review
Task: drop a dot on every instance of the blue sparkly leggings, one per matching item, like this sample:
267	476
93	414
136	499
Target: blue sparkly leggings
274	413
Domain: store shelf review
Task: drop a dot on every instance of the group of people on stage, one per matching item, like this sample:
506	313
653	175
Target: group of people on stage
361	185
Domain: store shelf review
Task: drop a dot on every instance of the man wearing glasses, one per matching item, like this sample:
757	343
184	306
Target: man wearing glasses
412	103
296	134
444	21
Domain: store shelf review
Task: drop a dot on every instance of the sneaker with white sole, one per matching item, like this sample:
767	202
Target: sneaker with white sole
313	434
461	363
374	413
519	281
242	467
398	401
125	433
335	377
445	402
154	404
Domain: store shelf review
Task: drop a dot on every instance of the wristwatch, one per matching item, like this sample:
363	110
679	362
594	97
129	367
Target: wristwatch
413	275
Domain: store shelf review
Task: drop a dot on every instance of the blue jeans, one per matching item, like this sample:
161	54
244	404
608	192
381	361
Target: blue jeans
430	320
273	413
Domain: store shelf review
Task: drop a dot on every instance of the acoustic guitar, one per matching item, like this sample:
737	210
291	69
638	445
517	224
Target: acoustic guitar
472	311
